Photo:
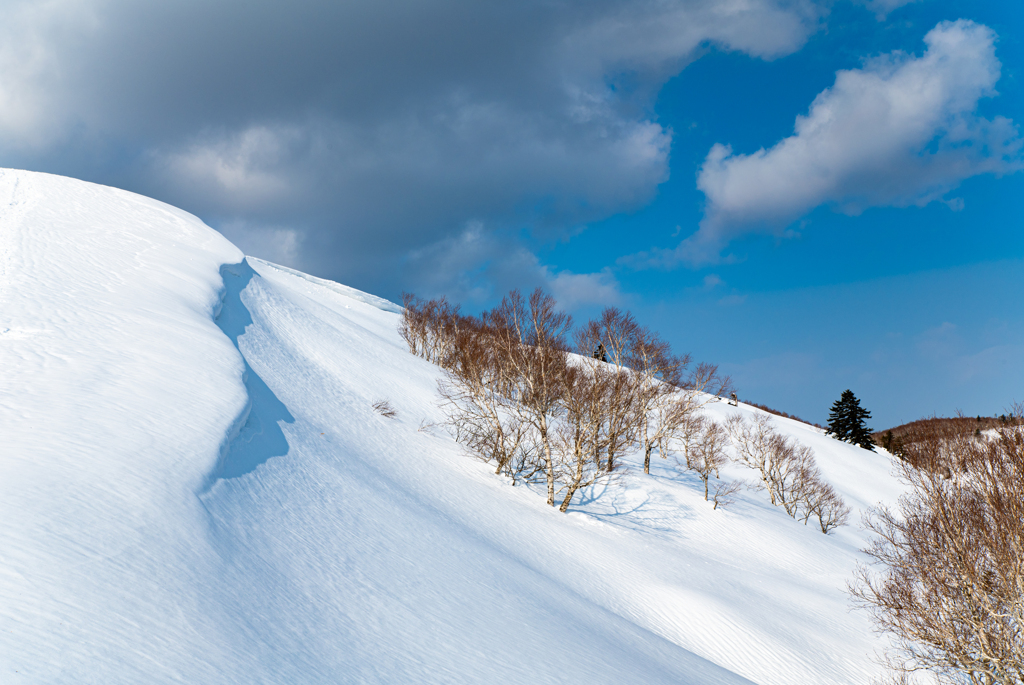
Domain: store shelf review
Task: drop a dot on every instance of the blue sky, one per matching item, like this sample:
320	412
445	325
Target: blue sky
814	194
918	309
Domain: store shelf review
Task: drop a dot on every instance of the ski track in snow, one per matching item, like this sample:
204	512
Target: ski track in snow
194	488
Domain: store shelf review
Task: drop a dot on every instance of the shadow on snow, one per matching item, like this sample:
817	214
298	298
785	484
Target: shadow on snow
259	436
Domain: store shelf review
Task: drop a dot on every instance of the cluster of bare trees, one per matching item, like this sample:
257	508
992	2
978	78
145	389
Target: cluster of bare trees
430	327
787	471
948	583
515	394
703	444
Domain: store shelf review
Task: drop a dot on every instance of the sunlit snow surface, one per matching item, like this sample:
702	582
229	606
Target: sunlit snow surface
194	488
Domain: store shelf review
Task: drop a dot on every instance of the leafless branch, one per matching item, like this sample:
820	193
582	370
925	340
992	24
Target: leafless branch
948	583
384	408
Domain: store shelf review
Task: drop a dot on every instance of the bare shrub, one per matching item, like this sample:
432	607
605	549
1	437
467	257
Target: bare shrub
755	444
724	493
620	417
917	441
410	326
792	475
615	330
787	471
700	387
504	382
384	408
825	503
705	385
949	586
703	446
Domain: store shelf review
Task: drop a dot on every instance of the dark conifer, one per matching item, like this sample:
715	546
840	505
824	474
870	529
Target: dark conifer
846	421
600	353
838	426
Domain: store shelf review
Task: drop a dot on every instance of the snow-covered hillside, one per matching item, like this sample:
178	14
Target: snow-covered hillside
194	488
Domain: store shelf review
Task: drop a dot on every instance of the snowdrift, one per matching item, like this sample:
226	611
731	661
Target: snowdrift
194	488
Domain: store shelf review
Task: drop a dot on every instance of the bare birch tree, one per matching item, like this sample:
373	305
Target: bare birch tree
703	446
704	385
530	337
581	433
823	502
724	492
787	471
659	413
615	331
483	419
755	444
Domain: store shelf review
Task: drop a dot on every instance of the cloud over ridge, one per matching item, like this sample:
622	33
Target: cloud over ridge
360	122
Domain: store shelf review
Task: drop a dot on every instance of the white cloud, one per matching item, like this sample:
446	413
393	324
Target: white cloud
479	266
956	204
712	281
900	131
33	37
377	128
655	35
243	169
576	290
400	184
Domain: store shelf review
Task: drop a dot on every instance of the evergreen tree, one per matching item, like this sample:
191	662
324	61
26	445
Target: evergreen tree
846	421
838	426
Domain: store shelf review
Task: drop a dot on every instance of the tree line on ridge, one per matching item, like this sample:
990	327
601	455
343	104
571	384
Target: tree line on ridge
544	401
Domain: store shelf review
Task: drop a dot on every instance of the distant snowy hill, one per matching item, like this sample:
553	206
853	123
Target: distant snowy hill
194	488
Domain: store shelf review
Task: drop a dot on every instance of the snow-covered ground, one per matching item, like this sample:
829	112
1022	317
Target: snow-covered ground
194	488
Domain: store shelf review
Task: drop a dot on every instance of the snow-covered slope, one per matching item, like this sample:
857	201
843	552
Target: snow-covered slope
195	488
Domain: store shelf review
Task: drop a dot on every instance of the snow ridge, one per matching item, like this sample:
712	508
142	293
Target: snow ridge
194	487
358	295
